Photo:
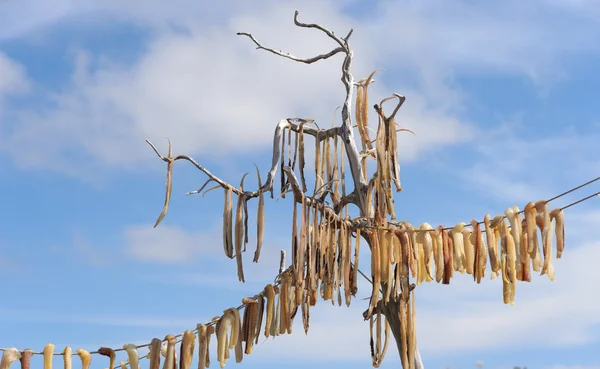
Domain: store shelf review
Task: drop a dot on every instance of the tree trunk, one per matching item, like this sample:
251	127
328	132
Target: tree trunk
391	311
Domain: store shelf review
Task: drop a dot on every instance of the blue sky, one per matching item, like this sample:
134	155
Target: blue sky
502	98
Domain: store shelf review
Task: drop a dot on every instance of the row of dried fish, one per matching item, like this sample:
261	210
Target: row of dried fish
436	253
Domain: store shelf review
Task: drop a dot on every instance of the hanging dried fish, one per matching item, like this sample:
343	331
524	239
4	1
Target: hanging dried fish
438	254
26	359
86	358
427	242
67	359
557	216
354	288
509	274
515	229
235	336
301	248
532	239
269	292
460	260
186	350
284	302
202	345
479	252
260	311
448	251
154	354
281	171
170	161
48	352
375	273
544	222
110	353
9	356
228	320
227	223
492	245
526	264
469	250
132	355
274	327
239	230
260	219
404	268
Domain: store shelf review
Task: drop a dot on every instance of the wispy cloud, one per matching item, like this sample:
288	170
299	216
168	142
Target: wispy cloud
167	244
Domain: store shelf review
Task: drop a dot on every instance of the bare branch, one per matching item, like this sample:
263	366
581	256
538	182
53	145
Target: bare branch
290	56
345	131
343	42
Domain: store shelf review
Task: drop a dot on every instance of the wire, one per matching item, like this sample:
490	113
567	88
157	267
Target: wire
277	281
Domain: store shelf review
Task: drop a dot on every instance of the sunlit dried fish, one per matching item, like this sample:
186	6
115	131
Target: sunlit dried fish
86	358
544	222
48	352
239	231
9	356
492	245
132	355
154	355
169	185
26	359
532	240
459	257
223	324
186	350
110	353
260	221
526	263
67	359
559	228
438	254
269	292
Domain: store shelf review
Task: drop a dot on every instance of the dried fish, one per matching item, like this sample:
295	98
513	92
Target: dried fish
492	245
86	358
110	353
67	358
169	185
260	221
155	347
26	359
132	355
48	352
239	231
188	342
9	356
559	228
269	292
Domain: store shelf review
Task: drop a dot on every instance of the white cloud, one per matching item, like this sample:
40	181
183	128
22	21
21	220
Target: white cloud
14	81
212	93
167	244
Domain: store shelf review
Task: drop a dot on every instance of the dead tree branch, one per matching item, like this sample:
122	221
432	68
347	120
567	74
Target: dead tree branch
345	130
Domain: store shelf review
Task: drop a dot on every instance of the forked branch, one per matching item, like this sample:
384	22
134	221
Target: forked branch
345	130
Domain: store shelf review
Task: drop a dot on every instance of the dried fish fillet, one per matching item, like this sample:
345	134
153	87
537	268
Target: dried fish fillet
26	359
260	221
67	359
492	245
132	355
48	352
459	257
559	228
154	354
110	353
188	343
86	358
9	356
